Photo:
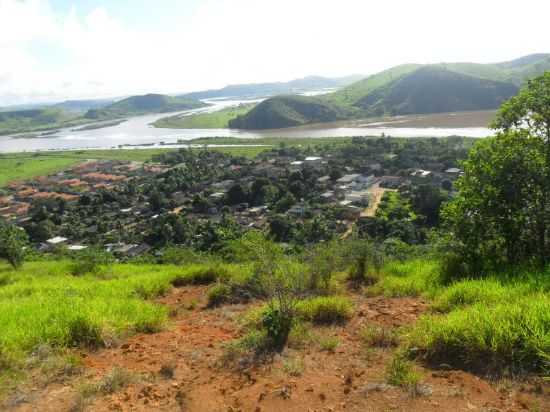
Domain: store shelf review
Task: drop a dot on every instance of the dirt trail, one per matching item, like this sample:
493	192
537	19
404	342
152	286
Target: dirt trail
350	379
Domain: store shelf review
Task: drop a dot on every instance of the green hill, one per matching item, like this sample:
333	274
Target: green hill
433	89
405	89
149	103
29	120
288	111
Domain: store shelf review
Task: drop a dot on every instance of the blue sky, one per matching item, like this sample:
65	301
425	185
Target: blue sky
58	49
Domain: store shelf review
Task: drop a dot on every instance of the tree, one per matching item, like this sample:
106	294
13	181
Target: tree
236	194
13	244
500	214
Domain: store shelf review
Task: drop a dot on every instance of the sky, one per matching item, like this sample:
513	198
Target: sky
51	50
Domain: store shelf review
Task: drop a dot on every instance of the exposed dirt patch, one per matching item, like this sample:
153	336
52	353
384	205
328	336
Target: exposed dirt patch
178	370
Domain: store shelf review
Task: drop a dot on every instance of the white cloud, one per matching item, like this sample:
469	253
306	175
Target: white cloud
230	41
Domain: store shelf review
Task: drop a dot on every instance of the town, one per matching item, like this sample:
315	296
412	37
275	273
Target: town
201	198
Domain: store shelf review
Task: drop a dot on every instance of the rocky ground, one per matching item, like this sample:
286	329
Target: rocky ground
179	369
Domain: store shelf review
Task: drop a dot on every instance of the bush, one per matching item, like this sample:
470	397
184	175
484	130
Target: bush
180	256
82	332
277	324
512	335
401	372
90	261
379	336
218	294
331	309
201	276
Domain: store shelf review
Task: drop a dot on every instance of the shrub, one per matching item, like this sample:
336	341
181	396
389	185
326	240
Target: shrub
508	335
325	309
82	332
90	261
180	256
219	294
200	276
114	381
277	324
253	346
379	336
401	372
300	335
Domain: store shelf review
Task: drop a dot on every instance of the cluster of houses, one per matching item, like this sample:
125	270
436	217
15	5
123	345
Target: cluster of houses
351	193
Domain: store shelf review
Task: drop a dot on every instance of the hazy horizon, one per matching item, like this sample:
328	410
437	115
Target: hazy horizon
55	50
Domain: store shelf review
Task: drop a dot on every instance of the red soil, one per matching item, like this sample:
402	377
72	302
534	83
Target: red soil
349	379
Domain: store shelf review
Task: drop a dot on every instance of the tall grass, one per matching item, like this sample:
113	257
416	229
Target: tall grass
497	323
509	335
44	304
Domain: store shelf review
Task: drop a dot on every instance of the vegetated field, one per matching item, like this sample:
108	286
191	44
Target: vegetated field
17	166
216	120
486	325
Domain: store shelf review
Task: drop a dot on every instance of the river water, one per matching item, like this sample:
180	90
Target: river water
137	131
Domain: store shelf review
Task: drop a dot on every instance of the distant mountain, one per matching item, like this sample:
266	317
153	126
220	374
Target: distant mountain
149	103
81	106
305	84
288	111
411	89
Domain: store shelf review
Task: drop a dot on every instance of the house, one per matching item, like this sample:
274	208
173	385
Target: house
55	241
132	250
217	196
77	248
328	196
421	173
323	180
360	198
351	212
297	210
453	171
257	211
347	179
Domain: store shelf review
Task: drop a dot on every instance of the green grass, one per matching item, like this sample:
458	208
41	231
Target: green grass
216	120
43	304
20	166
497	324
410	278
511	335
325	309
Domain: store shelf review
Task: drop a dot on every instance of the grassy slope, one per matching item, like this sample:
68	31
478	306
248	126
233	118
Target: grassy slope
489	324
137	105
349	95
215	120
35	120
435	89
289	111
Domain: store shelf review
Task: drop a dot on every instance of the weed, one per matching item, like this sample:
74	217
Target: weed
325	310
401	372
329	343
294	367
83	332
114	381
378	336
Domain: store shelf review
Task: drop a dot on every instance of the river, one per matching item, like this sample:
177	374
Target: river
138	131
